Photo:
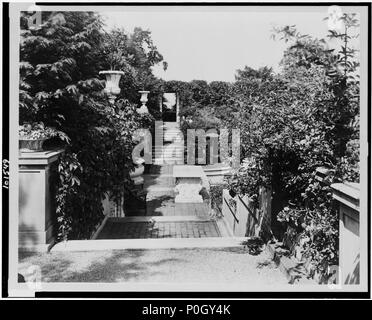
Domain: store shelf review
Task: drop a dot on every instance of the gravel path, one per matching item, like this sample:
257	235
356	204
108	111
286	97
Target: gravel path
232	265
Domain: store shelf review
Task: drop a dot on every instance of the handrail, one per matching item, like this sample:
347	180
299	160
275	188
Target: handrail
249	210
232	212
219	210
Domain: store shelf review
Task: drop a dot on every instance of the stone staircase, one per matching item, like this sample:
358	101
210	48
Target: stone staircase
163	217
171	131
172	149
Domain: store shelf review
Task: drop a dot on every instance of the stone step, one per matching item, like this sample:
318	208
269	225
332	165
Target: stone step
161	149
169	153
168	150
168	161
134	212
166	158
149	244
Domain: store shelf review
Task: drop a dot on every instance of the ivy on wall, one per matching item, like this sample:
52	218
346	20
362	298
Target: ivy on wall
60	63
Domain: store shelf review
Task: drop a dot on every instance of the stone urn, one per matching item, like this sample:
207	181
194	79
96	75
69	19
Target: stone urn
136	174
144	99
112	82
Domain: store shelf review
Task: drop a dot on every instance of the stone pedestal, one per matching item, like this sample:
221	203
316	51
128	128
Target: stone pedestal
35	199
188	184
347	196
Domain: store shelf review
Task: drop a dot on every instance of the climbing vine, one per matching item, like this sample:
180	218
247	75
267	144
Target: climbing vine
60	86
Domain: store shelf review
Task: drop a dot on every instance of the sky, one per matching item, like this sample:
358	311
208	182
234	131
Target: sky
211	43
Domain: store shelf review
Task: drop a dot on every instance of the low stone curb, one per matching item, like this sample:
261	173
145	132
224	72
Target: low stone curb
149	244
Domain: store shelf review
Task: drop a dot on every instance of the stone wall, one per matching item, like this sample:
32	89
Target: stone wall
244	218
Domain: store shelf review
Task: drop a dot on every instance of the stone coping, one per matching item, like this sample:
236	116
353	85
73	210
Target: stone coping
216	166
112	72
321	174
187	171
347	193
217	170
39	157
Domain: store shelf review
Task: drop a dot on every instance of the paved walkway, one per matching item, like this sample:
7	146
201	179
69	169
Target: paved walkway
159	229
159	187
160	195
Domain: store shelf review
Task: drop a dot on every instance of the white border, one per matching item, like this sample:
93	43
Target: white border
14	287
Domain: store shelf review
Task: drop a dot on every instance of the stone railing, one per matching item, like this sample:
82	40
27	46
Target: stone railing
347	197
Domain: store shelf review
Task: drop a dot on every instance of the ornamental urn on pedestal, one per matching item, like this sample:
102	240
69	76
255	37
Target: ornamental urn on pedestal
144	99
112	83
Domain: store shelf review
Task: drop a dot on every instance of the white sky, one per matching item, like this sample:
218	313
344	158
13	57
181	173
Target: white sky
211	44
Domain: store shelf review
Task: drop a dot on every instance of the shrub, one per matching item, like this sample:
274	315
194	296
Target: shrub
216	196
295	121
60	62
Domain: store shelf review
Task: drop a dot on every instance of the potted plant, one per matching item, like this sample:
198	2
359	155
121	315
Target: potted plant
33	135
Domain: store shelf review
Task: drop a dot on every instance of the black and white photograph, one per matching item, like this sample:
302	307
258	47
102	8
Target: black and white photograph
180	148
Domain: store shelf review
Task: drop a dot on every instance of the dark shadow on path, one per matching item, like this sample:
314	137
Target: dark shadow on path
113	266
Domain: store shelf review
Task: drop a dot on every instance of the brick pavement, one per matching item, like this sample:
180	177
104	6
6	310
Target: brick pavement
159	185
166	229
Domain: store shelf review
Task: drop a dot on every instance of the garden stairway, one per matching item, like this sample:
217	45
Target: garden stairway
172	149
176	235
163	217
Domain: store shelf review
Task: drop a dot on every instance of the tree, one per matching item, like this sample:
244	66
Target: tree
302	118
60	62
263	73
135	54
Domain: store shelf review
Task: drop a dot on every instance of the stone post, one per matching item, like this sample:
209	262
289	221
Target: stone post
36	211
347	197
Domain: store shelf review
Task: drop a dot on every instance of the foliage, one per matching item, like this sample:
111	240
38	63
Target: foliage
60	62
135	54
216	196
305	117
37	130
